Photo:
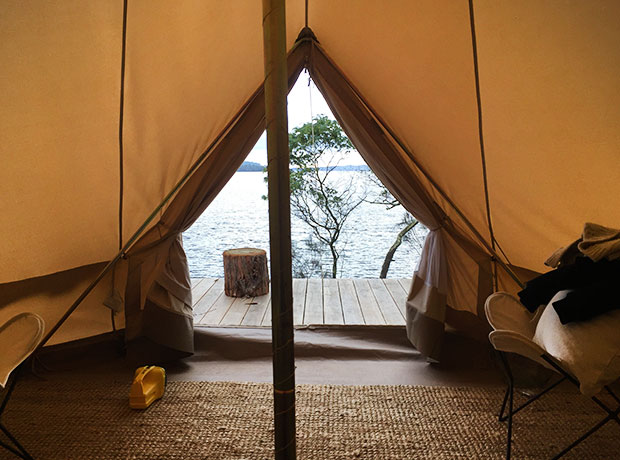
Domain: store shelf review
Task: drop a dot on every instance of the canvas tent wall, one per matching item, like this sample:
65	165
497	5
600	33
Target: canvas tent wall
106	108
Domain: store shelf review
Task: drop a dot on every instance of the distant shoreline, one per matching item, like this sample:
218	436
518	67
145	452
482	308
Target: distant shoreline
250	166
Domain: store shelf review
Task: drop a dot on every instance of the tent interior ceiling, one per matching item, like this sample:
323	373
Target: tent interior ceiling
549	94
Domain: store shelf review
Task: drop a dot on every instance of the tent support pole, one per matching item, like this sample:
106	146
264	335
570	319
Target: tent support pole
274	35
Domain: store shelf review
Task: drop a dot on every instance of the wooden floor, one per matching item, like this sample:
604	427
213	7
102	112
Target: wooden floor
315	302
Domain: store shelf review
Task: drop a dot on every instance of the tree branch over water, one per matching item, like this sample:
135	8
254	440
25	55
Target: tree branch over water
325	203
317	198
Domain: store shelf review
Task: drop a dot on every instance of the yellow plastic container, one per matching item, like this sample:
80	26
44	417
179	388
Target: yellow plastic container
149	383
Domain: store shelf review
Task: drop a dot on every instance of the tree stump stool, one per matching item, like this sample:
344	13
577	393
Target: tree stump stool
245	272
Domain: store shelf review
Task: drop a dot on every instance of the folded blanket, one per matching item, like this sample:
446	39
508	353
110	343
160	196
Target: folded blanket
589	268
597	242
600	242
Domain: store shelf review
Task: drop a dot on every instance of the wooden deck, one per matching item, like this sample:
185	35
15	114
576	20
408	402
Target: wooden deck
315	302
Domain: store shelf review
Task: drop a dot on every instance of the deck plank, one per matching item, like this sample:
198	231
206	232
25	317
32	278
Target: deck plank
332	306
236	312
299	300
218	309
398	294
314	302
201	288
370	309
405	283
386	303
204	304
350	304
256	310
266	321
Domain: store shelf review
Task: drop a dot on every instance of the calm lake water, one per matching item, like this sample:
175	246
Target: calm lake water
238	218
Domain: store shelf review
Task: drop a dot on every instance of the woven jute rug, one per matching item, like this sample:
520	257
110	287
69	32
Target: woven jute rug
223	420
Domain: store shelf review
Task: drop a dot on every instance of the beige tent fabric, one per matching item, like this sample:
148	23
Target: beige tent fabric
548	75
191	66
50	296
436	279
59	86
158	293
550	111
189	69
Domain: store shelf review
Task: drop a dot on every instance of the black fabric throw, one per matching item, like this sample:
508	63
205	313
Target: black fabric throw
595	289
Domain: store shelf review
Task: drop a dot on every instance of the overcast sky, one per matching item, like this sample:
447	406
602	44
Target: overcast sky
304	103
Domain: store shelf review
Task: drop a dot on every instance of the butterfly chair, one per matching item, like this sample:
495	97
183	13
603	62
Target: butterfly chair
586	354
19	337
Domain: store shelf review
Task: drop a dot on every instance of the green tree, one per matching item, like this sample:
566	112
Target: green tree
317	198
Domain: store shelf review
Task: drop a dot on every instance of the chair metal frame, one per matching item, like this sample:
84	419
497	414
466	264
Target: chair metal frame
13	444
612	414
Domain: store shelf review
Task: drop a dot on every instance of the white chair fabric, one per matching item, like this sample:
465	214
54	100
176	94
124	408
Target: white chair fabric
19	337
514	326
589	351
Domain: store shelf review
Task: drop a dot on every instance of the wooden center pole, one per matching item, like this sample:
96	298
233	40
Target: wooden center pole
274	34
